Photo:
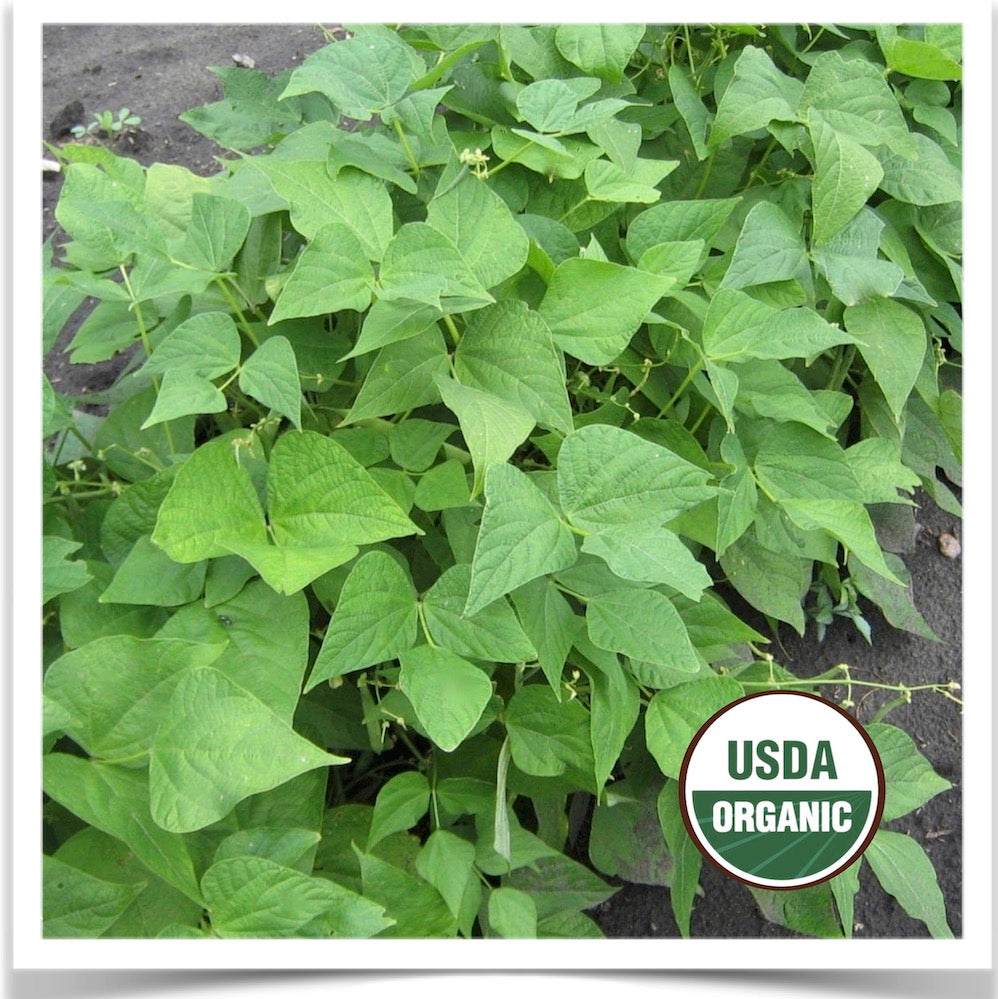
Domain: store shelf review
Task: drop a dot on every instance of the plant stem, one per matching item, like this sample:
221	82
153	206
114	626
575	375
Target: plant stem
230	298
413	162
706	176
512	159
422	623
690	375
452	330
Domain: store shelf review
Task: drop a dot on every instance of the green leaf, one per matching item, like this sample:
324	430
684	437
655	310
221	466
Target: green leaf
845	175
549	623
493	428
289	568
904	871
216	745
794	462
512	914
850	264
768	389
447	862
891	338
606	181
896	603
416	907
757	94
447	693
508	350
331	274
443	487
521	538
593	308
148	576
686	858
402	377
931	179
493	633
548	737
374	620
270	376
691	108
608	477
59	574
76	904
188	529
855	100
647	554
560	884
675	715
373	153
769	248
422	265
184	393
677	222
921	59
116	801
401	803
206	344
603	50
911	781
55	411
114	689
549	105
480	225
255	897
414	443
361	76
290	847
643	625
844	888
217	230
361	202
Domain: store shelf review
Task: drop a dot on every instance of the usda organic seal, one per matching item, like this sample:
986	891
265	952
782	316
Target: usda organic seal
781	789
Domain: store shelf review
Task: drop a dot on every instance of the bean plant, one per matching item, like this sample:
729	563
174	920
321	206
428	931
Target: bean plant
480	421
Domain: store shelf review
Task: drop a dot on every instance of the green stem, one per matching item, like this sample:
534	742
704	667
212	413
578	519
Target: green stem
571	593
701	418
231	299
512	159
410	745
683	385
422	623
843	362
413	162
452	330
706	177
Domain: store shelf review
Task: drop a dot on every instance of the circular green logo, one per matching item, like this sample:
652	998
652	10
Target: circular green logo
781	789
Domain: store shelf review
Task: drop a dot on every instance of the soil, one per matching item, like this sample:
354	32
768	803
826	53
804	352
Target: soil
159	71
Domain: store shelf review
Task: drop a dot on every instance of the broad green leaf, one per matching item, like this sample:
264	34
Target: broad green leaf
187	528
844	888
290	847
850	263
686	858
609	477
757	94
601	49
360	76
76	904
255	897
149	576
206	344
904	871
896	603
848	522
565	158
414	443
625	839
549	105
289	568
891	338
401	803
508	350
373	153
60	574
374	620
594	308
318	494
423	265
493	633
389	322
512	913
913	57
605	181
559	884
417	908
549	623
361	202
443	487
770	581
649	554
82	618
769	248
768	389
479	224
115	689
55	411
217	229
184	393
676	222
548	737
270	376
676	260
447	862
691	108
492	427
447	693
643	625
855	100
331	274
116	801
795	462
911	781
521	538
845	175
216	745
931	179
618	139
402	377
267	637
674	716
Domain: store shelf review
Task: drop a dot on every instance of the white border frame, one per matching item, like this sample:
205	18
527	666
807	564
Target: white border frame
973	950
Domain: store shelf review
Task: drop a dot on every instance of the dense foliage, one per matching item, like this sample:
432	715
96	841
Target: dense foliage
497	376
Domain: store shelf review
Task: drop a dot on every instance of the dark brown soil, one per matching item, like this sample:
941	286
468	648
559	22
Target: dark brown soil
159	71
